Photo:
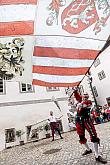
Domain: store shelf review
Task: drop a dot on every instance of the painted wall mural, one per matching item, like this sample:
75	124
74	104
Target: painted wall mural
16	58
79	15
11	58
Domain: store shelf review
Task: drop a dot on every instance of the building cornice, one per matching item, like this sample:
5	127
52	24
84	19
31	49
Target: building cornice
30	102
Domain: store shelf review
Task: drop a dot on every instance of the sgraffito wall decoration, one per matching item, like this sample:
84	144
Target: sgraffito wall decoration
16	58
11	58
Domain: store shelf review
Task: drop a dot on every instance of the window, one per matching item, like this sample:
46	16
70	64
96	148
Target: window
10	135
52	89
101	75
2	90
81	89
96	62
26	88
95	91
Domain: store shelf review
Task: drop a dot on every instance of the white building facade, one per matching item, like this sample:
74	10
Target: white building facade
23	105
100	73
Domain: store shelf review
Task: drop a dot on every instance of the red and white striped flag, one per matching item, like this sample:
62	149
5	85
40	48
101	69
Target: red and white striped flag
63	61
17	17
70	35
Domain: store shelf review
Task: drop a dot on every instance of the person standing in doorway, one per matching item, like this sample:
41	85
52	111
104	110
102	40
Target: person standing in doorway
54	125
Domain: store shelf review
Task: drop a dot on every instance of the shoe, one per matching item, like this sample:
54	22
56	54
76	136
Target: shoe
101	160
61	137
87	152
52	140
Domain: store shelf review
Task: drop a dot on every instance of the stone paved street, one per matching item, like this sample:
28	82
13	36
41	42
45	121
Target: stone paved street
69	151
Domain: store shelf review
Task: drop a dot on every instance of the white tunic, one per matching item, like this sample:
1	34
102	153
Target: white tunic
52	119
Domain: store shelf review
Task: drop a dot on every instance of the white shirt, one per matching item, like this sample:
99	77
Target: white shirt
52	119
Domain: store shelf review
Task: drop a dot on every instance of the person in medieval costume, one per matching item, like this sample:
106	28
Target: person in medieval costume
54	125
84	121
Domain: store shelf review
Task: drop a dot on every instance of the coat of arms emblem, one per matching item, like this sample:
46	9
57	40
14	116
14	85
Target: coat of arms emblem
81	14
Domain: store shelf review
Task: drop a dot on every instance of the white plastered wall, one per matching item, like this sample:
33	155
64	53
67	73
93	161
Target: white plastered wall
20	116
102	86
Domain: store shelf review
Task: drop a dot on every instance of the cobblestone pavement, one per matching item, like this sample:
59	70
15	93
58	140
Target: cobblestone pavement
69	151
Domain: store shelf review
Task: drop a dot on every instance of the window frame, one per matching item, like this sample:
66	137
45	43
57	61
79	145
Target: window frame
95	91
52	89
4	87
7	138
97	62
27	91
101	75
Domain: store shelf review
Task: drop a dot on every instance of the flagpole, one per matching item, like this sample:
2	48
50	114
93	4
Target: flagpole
56	102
